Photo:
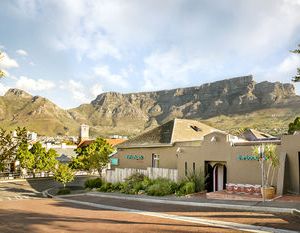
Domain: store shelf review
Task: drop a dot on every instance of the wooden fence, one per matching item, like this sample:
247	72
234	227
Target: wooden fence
120	174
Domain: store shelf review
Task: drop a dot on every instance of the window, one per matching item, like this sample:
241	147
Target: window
194	167
185	168
155	160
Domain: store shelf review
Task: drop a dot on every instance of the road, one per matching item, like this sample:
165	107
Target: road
86	213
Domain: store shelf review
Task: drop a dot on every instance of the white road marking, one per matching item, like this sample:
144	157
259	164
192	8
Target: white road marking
208	222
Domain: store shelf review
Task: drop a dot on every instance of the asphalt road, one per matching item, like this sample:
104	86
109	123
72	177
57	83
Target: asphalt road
100	214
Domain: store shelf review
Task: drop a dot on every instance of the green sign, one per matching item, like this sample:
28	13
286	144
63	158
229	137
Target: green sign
114	161
134	157
247	157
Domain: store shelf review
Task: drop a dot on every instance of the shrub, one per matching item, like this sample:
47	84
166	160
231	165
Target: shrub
63	191
93	183
160	187
187	188
146	182
106	187
116	186
197	178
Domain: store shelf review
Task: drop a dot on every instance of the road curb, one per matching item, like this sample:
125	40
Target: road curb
211	205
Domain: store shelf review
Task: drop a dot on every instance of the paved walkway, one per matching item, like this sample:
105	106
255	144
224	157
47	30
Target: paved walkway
235	220
53	216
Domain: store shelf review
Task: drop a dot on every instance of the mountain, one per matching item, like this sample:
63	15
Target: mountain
228	104
18	108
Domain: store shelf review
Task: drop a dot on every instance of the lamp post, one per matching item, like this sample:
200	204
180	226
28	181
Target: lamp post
262	157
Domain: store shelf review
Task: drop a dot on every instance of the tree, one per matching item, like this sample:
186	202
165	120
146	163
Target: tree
64	174
297	77
94	156
25	157
43	161
9	145
294	126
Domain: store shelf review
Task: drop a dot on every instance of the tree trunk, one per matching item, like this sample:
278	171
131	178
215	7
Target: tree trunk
100	172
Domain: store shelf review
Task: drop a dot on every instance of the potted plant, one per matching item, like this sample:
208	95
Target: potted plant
267	156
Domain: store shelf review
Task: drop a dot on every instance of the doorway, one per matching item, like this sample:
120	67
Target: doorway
219	177
216	176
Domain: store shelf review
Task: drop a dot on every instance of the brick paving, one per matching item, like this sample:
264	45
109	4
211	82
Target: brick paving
49	215
281	221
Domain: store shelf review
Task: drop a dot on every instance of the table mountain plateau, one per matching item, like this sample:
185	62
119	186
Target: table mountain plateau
228	104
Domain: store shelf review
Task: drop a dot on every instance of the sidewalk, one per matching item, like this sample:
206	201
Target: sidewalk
275	206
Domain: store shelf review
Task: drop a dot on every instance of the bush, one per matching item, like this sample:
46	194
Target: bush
93	183
116	187
188	188
63	191
106	187
197	178
160	187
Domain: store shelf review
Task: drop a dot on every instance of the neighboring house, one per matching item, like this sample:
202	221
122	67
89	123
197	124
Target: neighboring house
255	135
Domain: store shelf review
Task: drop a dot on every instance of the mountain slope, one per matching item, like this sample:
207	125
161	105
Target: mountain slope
135	112
18	108
228	104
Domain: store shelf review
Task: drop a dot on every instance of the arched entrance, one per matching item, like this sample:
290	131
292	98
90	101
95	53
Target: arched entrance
219	177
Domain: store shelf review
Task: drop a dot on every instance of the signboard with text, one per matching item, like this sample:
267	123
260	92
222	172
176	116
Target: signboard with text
247	157
134	157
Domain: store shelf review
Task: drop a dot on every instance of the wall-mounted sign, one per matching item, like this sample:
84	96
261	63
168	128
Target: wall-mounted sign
247	157
135	157
114	161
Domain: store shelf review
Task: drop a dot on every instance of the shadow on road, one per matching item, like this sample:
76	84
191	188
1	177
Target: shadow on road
25	221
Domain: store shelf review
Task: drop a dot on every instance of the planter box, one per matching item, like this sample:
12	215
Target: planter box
268	192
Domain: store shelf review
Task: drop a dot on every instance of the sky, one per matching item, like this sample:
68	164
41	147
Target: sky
71	51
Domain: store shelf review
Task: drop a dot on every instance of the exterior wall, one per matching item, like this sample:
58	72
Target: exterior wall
167	157
290	144
216	148
238	171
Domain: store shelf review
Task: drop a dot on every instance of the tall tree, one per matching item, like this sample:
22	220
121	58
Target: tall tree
297	77
9	144
43	161
94	156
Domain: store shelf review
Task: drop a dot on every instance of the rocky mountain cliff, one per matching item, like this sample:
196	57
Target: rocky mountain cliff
132	113
138	111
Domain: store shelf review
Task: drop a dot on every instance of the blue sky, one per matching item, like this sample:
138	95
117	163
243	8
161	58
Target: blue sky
71	51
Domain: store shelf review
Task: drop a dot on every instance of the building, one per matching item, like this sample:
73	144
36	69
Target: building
189	145
84	133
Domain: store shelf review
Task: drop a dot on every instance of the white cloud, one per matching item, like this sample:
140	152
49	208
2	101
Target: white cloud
22	52
168	69
96	90
105	74
29	84
6	62
3	89
77	89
